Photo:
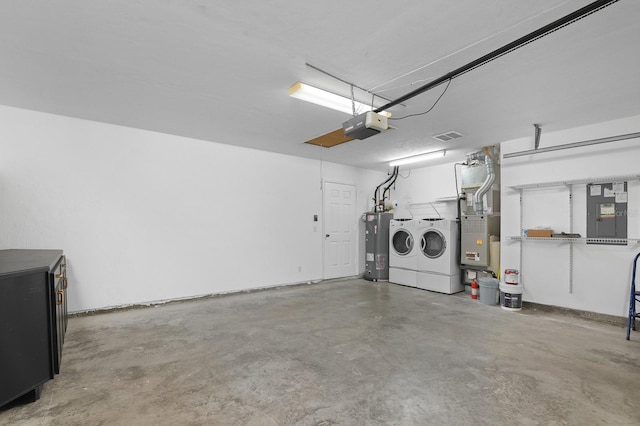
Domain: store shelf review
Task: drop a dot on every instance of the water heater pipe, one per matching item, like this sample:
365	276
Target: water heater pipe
376	199
478	204
396	171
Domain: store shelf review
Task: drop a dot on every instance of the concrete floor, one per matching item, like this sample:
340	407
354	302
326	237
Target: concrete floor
345	352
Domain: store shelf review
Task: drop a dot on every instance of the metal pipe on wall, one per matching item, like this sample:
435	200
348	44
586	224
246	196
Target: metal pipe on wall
478	204
572	145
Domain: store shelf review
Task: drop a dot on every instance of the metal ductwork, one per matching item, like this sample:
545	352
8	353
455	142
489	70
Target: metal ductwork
487	156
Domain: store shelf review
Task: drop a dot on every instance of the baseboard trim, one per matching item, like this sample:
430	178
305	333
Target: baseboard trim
588	315
152	304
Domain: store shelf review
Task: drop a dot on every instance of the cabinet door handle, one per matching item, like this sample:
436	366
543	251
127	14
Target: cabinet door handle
60	297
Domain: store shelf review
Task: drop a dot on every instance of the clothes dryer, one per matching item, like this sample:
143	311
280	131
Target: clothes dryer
403	250
437	258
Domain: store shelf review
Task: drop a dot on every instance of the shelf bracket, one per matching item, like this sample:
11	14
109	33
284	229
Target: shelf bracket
522	278
570	187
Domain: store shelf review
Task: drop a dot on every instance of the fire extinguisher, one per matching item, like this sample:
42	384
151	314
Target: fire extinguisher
474	289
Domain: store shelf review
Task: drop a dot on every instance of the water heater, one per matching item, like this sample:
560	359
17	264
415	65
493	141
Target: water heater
376	265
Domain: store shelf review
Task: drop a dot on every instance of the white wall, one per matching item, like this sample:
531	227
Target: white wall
145	217
601	274
418	191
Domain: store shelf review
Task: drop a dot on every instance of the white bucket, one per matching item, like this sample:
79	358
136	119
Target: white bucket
511	297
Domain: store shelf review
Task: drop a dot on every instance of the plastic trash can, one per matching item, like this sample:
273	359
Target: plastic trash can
489	290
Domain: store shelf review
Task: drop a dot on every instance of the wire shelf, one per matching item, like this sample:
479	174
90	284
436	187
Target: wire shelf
576	182
616	241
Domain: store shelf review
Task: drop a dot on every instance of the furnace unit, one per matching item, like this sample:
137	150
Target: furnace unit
480	215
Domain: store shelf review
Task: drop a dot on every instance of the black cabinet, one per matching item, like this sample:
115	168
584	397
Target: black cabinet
33	318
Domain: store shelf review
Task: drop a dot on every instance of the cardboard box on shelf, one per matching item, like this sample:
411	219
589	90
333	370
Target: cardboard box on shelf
546	233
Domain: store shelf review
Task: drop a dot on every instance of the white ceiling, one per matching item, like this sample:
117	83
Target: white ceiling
220	70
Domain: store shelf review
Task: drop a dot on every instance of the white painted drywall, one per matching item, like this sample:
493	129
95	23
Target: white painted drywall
601	274
419	192
145	217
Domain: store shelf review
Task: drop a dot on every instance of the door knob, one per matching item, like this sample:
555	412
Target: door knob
327	235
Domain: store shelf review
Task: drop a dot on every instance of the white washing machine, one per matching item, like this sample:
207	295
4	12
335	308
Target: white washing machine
403	250
438	268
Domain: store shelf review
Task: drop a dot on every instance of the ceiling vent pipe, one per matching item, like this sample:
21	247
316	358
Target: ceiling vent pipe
485	155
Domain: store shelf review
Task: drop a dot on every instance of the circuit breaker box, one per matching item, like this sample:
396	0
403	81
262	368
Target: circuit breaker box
607	213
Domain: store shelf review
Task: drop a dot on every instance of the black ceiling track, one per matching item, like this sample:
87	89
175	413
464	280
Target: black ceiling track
541	32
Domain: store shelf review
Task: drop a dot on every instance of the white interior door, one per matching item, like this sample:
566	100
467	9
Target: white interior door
339	230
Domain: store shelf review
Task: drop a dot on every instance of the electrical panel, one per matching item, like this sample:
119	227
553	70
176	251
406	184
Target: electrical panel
607	213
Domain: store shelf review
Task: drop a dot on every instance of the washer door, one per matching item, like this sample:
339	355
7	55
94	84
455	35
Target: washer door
433	244
402	242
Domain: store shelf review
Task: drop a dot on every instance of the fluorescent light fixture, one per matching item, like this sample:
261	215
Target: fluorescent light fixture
321	97
418	158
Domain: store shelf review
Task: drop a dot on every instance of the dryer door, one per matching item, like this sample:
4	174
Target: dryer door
433	244
402	242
